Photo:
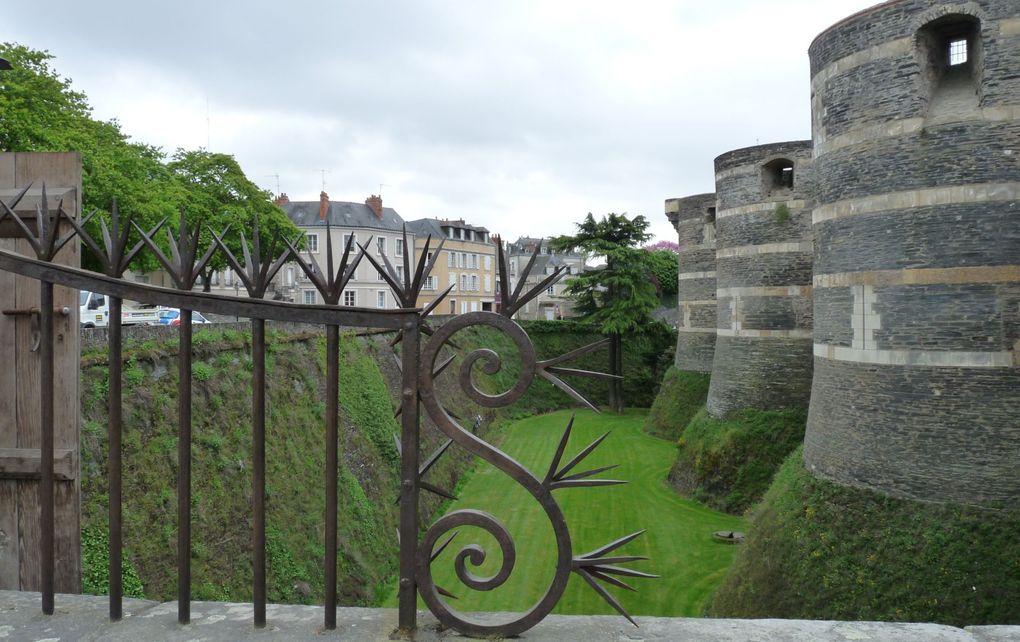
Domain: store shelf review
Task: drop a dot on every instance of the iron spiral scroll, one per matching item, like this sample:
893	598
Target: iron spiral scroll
593	566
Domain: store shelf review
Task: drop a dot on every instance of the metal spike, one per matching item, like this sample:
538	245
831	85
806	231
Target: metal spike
605	595
559	452
612	546
581	455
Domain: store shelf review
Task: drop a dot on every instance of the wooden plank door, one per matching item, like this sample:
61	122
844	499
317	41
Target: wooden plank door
20	432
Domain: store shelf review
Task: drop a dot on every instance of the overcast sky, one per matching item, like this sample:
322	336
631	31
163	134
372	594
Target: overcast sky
522	116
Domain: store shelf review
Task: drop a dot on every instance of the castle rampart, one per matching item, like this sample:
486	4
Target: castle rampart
694	219
763	278
916	128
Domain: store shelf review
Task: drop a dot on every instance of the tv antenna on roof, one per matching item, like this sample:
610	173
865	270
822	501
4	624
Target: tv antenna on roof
381	185
277	177
324	172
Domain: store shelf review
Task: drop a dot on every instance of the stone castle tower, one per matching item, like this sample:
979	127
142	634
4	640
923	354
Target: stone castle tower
694	220
916	131
763	278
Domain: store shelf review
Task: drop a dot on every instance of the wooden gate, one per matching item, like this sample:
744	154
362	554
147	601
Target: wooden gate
20	415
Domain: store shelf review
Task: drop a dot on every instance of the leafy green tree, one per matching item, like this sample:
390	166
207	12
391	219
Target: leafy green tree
42	112
665	271
618	296
217	192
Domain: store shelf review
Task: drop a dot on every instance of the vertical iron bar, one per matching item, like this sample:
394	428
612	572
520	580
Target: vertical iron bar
258	413
408	599
114	463
46	422
332	399
184	471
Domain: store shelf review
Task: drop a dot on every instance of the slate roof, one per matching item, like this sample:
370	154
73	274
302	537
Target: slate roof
434	226
342	214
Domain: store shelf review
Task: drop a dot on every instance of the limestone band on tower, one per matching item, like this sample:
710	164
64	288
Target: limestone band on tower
694	220
764	253
916	127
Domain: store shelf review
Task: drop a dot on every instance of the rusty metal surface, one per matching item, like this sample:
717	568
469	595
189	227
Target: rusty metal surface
419	366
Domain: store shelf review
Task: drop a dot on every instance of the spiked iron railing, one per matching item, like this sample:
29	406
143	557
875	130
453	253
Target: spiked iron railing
420	367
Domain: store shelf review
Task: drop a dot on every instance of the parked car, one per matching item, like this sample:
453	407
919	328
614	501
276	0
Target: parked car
172	317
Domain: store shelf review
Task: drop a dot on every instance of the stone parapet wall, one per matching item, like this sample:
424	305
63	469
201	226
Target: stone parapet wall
694	219
917	273
764	254
85	617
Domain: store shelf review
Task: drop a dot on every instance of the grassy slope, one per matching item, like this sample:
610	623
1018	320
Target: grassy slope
821	551
729	463
221	485
678	540
680	397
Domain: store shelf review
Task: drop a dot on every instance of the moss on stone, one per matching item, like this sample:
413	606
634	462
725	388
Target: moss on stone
729	463
681	395
817	550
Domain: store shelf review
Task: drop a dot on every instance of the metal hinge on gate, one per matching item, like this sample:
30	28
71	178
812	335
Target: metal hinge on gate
34	313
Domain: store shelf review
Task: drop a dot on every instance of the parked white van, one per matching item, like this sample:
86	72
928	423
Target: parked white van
93	310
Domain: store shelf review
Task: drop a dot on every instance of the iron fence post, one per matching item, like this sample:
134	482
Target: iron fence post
115	348
409	438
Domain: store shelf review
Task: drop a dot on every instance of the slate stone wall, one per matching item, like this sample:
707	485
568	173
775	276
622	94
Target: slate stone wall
916	389
763	277
694	219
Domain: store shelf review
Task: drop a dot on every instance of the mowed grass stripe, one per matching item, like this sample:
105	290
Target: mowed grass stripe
678	538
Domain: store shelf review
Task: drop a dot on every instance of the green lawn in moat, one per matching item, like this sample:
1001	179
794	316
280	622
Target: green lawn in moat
678	540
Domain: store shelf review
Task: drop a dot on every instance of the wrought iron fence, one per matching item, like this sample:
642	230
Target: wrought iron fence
421	364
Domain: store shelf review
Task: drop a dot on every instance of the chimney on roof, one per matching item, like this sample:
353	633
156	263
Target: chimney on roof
323	205
282	199
375	204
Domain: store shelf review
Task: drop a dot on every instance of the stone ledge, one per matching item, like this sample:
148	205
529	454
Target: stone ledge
84	617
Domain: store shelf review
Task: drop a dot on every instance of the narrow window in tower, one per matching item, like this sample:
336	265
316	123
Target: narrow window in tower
957	52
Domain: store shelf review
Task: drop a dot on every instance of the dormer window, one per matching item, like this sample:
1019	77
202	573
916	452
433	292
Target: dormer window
777	176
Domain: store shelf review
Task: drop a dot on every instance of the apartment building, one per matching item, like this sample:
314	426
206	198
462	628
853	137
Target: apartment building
469	265
553	302
378	228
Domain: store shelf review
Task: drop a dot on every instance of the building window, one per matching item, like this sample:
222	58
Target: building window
380	299
949	49
777	176
463	282
312	243
453	279
350	298
451	260
488	283
352	239
474	282
400	274
550	291
309	297
488	262
380	245
379	275
215	278
430	283
453	306
400	248
290	277
957	52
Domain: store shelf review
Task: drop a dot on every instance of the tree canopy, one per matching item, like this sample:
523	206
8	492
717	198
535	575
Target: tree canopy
42	112
617	296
